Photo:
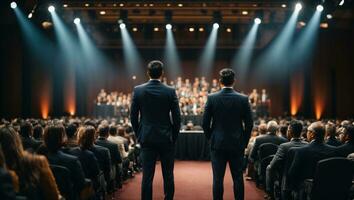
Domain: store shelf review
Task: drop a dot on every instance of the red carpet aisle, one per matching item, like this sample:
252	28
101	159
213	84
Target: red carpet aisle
193	180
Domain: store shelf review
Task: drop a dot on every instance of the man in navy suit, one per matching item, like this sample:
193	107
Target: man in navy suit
227	123
155	117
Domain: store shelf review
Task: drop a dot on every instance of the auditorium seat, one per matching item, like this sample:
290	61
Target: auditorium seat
332	180
63	180
265	150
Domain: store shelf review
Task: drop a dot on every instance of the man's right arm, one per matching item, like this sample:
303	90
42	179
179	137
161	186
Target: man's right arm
134	113
207	118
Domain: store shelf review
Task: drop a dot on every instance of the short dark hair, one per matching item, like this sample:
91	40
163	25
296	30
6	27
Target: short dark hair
86	137
113	130
38	132
71	130
103	130
26	129
155	69
350	132
283	129
319	130
296	128
227	76
53	137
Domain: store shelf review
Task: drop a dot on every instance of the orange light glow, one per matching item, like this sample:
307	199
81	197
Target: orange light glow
319	107
45	98
296	92
70	102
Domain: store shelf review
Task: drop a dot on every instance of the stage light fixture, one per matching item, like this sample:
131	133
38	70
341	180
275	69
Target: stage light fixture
324	25
216	25
191	29
228	30
13	5
302	23
180	5
121	5
135	29
341	3
65	5
257	20
51	8
283	5
87	4
122	26
201	29
156	29
245	12
319	8
298	6
30	15
77	20
102	12
168	26
329	16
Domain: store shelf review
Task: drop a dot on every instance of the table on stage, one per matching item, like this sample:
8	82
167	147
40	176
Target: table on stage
192	145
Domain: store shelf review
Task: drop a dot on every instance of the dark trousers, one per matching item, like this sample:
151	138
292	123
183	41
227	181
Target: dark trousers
219	158
149	156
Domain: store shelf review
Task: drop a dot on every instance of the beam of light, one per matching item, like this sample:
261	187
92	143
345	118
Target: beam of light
297	82
341	3
13	5
206	61
274	59
130	52
71	60
242	59
171	58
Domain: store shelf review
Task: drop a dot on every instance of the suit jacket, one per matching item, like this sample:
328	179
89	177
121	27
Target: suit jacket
73	164
305	160
333	141
262	139
88	162
103	157
345	149
113	149
151	106
30	143
227	120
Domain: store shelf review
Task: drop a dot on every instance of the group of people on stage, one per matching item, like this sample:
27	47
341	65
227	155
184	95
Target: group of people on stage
192	97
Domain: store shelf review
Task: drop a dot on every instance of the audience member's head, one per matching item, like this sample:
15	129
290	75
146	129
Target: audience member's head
330	129
86	137
283	130
316	131
113	130
295	129
71	130
54	137
262	128
349	134
38	132
227	77
103	130
272	127
11	147
121	131
26	129
155	69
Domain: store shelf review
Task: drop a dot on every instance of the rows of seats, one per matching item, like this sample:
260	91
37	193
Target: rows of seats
303	162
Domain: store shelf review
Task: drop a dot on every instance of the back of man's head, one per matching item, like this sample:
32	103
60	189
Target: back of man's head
272	127
71	130
295	128
26	129
155	69
53	137
283	129
227	77
103	130
330	129
262	129
113	130
319	131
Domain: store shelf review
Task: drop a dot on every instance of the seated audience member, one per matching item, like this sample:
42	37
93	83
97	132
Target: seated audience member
7	190
103	132
331	135
277	165
250	167
118	140
28	142
283	131
36	180
38	132
87	159
270	137
347	148
53	142
305	158
70	131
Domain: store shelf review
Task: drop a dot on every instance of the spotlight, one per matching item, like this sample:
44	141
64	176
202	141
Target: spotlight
329	16
180	5
51	8
228	30
87	4
201	29
65	5
13	5
122	26
302	23
245	12
102	12
257	20
216	25
341	3
298	7
156	29
319	8
191	29
135	29
283	5
168	26
77	21
324	25
30	15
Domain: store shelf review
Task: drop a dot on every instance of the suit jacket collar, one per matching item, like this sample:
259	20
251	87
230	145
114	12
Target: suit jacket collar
227	90
296	139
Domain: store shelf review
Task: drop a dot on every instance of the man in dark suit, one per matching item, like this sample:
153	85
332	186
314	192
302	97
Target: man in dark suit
305	158
153	105
277	165
227	123
28	142
331	135
270	137
347	148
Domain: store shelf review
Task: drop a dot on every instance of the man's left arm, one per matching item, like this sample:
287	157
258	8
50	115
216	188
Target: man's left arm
134	113
248	123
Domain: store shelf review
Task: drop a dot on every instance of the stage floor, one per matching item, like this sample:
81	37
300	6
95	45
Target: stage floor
193	180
